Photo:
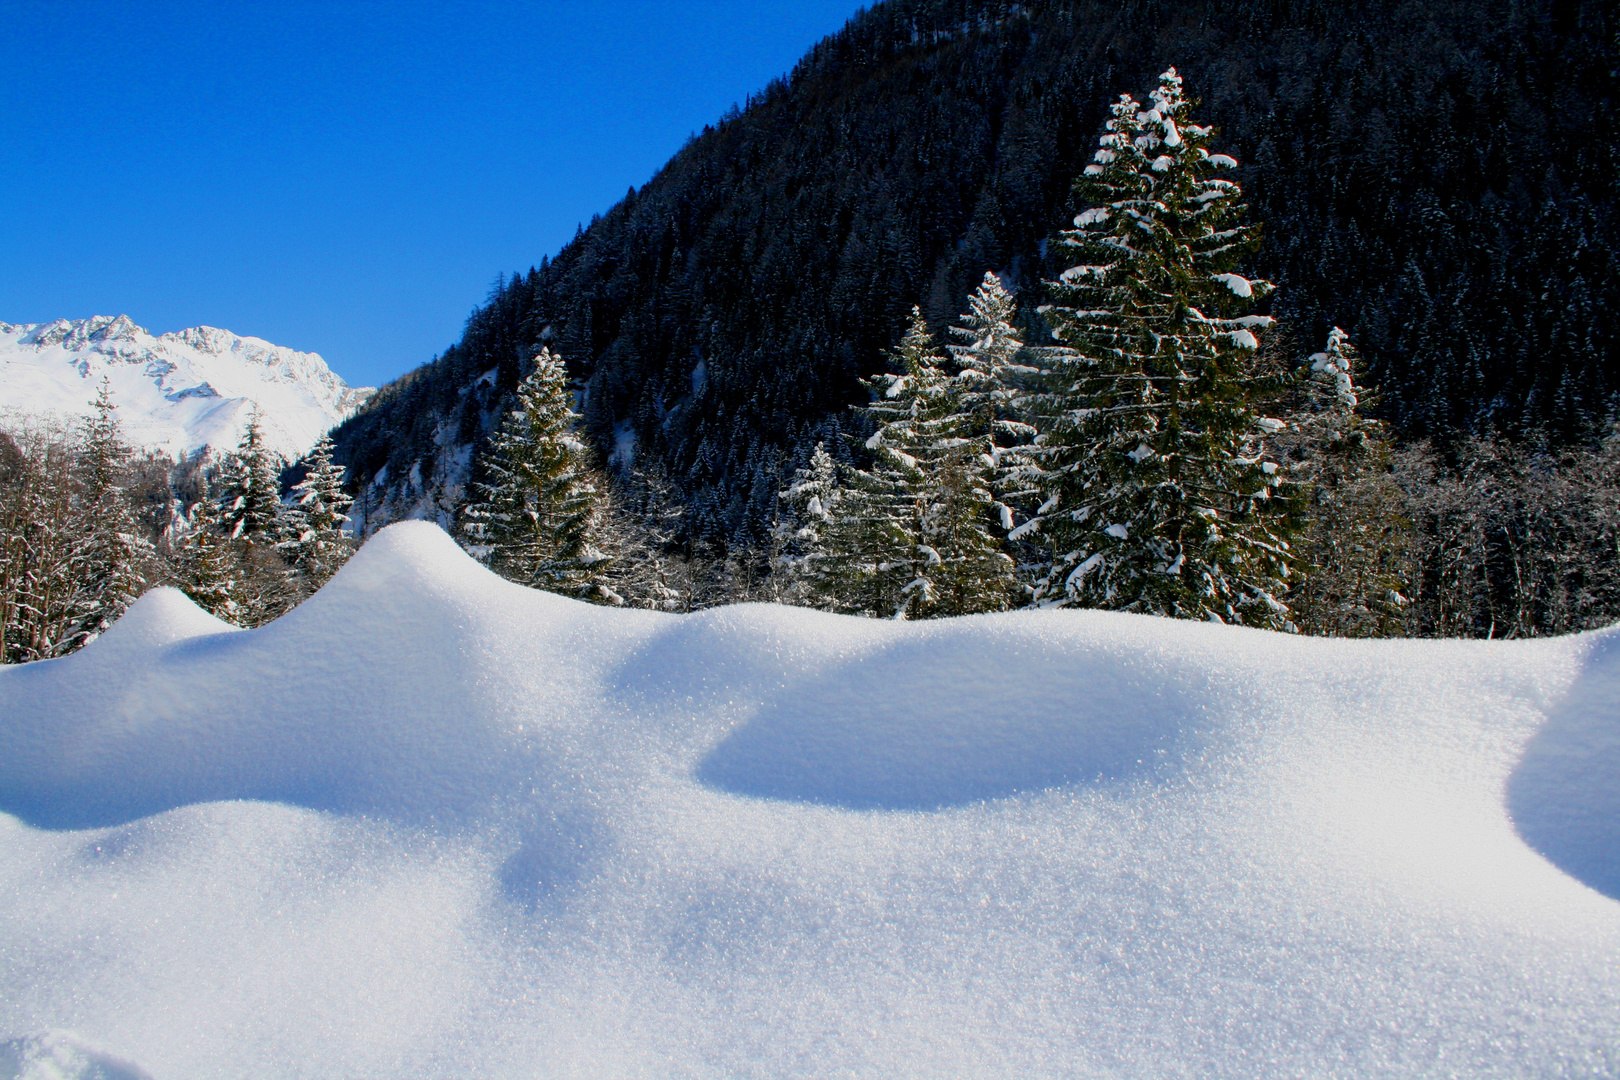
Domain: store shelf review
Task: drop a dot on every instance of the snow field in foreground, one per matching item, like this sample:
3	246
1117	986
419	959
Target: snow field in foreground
431	823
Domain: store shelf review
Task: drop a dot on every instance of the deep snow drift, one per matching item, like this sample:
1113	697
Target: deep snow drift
176	392
434	824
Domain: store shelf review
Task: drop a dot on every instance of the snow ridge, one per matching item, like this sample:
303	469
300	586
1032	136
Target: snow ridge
176	392
481	824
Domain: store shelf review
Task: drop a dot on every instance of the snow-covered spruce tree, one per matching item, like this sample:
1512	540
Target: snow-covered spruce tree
862	546
989	380
638	525
836	555
893	515
113	548
536	507
316	545
209	567
1357	545
41	552
250	489
249	514
818	573
1151	491
914	535
981	435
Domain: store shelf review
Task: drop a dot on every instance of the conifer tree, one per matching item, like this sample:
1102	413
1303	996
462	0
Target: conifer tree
853	552
890	518
42	555
988	375
981	434
911	536
814	561
813	490
1357	545
536	507
1149	487
250	495
112	548
317	545
209	568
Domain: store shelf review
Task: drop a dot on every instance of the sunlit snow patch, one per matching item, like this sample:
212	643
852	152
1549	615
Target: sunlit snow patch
431	819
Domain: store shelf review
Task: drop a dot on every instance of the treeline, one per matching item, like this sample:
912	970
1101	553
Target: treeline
87	525
1438	179
1512	540
1486	538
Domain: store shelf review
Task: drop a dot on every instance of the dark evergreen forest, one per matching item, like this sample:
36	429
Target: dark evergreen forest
1438	178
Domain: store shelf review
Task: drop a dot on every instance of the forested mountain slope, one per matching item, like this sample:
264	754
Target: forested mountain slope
1437	178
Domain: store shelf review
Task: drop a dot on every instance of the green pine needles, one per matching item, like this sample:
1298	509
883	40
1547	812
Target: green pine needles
916	534
1133	450
1151	492
250	496
536	507
316	545
113	549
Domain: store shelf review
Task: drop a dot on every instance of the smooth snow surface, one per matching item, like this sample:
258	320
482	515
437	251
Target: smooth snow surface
175	393
433	824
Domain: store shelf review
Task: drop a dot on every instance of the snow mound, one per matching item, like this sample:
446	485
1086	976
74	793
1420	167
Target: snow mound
176	392
432	818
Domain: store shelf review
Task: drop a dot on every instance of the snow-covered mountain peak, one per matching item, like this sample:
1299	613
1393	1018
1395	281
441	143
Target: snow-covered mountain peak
79	333
176	392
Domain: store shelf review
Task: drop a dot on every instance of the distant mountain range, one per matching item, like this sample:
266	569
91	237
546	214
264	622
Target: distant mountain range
175	393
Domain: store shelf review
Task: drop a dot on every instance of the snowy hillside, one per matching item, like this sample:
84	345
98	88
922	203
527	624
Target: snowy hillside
177	392
434	824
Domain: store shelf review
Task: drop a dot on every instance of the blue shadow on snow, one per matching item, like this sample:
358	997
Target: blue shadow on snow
955	719
1564	795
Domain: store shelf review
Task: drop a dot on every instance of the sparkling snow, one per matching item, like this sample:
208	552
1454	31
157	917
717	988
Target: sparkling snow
434	824
175	393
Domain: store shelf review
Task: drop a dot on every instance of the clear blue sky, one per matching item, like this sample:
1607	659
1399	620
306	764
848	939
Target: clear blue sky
347	178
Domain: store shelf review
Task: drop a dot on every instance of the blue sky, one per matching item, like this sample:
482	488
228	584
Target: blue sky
345	178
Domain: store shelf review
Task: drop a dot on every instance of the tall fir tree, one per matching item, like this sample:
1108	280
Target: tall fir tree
316	545
982	434
890	521
1150	491
989	379
250	489
112	546
1357	545
536	507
